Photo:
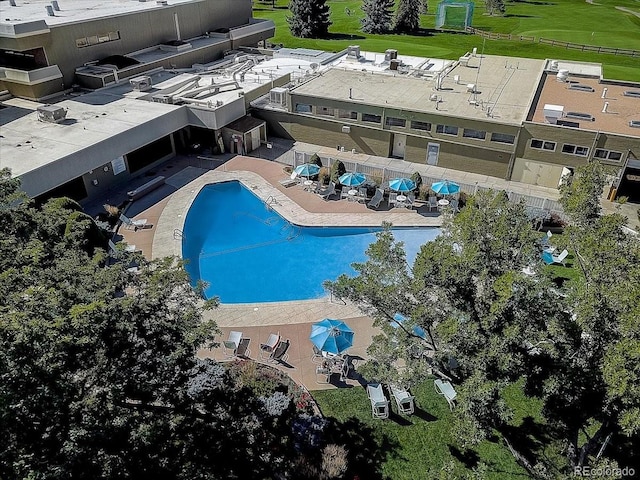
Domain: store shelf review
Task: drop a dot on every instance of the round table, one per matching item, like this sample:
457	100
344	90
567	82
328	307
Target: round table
401	198
307	184
352	192
443	202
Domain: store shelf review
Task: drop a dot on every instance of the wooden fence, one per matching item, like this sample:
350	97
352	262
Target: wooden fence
500	36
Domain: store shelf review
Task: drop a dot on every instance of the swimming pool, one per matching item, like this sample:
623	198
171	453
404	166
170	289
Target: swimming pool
247	253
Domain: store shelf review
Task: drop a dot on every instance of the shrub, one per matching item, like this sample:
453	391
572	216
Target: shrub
315	159
423	192
334	460
63	203
288	170
324	176
417	179
377	179
337	169
112	210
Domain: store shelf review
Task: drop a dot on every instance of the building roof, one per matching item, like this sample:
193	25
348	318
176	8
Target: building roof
74	10
621	109
504	87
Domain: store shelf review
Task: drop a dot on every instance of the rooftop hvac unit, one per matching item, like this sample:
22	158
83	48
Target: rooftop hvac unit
51	113
634	123
582	88
631	93
554	65
394	64
141	84
562	75
471	88
390	55
552	113
162	98
278	95
581	116
353	51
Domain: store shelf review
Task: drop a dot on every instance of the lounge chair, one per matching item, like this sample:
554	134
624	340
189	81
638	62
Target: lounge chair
445	389
232	343
280	352
393	199
376	199
433	203
549	258
404	400
379	403
132	224
329	191
266	349
317	355
323	374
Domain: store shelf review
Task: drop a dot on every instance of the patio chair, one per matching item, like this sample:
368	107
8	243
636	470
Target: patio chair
280	352
546	237
433	203
379	403
132	224
317	355
404	400
344	193
232	343
266	349
323	374
393	199
376	199
453	204
408	203
362	194
445	389
328	192
549	258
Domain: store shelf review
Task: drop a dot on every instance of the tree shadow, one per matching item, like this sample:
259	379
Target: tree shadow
513	15
399	419
468	458
530	437
533	2
343	36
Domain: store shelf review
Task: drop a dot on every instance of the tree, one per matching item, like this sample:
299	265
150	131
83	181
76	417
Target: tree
309	18
408	15
487	327
378	16
494	6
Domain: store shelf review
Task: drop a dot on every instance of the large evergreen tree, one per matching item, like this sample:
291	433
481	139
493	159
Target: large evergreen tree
495	6
378	15
309	18
408	15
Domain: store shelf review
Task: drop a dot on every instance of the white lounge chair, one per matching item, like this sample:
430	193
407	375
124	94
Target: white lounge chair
379	403
266	349
549	258
135	224
232	343
376	199
404	400
329	191
445	389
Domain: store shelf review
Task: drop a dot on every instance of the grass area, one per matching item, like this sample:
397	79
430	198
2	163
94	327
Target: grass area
600	24
424	442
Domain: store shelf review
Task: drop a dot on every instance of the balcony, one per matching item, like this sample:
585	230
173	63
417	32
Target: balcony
30	77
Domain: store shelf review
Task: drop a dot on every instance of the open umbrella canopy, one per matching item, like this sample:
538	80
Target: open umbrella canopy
352	179
399	319
445	187
333	336
402	185
306	170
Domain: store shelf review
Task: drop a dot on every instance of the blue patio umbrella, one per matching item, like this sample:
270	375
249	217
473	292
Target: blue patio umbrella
400	319
306	170
332	336
445	187
402	185
352	179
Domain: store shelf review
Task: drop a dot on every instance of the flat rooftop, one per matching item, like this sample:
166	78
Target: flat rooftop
504	86
621	109
28	11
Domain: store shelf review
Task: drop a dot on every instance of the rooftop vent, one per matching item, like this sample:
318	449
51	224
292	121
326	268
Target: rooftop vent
278	95
55	5
634	123
51	113
50	10
568	123
390	55
162	3
163	98
580	87
581	116
353	51
632	93
141	84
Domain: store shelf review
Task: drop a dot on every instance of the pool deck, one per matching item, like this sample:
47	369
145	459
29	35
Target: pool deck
256	321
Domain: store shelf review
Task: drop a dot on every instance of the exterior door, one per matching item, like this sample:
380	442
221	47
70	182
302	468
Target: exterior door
433	150
399	144
255	138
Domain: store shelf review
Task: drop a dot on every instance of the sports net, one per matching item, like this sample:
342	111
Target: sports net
452	14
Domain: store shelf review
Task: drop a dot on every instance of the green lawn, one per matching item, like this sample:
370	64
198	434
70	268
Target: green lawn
424	440
599	24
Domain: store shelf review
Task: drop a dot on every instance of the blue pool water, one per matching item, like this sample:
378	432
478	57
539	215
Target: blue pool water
246	252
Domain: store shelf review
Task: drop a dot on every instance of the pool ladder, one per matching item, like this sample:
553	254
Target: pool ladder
291	231
271	200
177	234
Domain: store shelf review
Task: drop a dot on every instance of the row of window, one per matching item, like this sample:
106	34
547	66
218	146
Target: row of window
96	39
402	123
578	150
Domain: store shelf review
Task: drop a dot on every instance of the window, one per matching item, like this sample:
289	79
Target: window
347	114
607	155
503	138
543	145
96	39
447	129
395	122
471	133
575	150
303	108
416	125
371	118
325	111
